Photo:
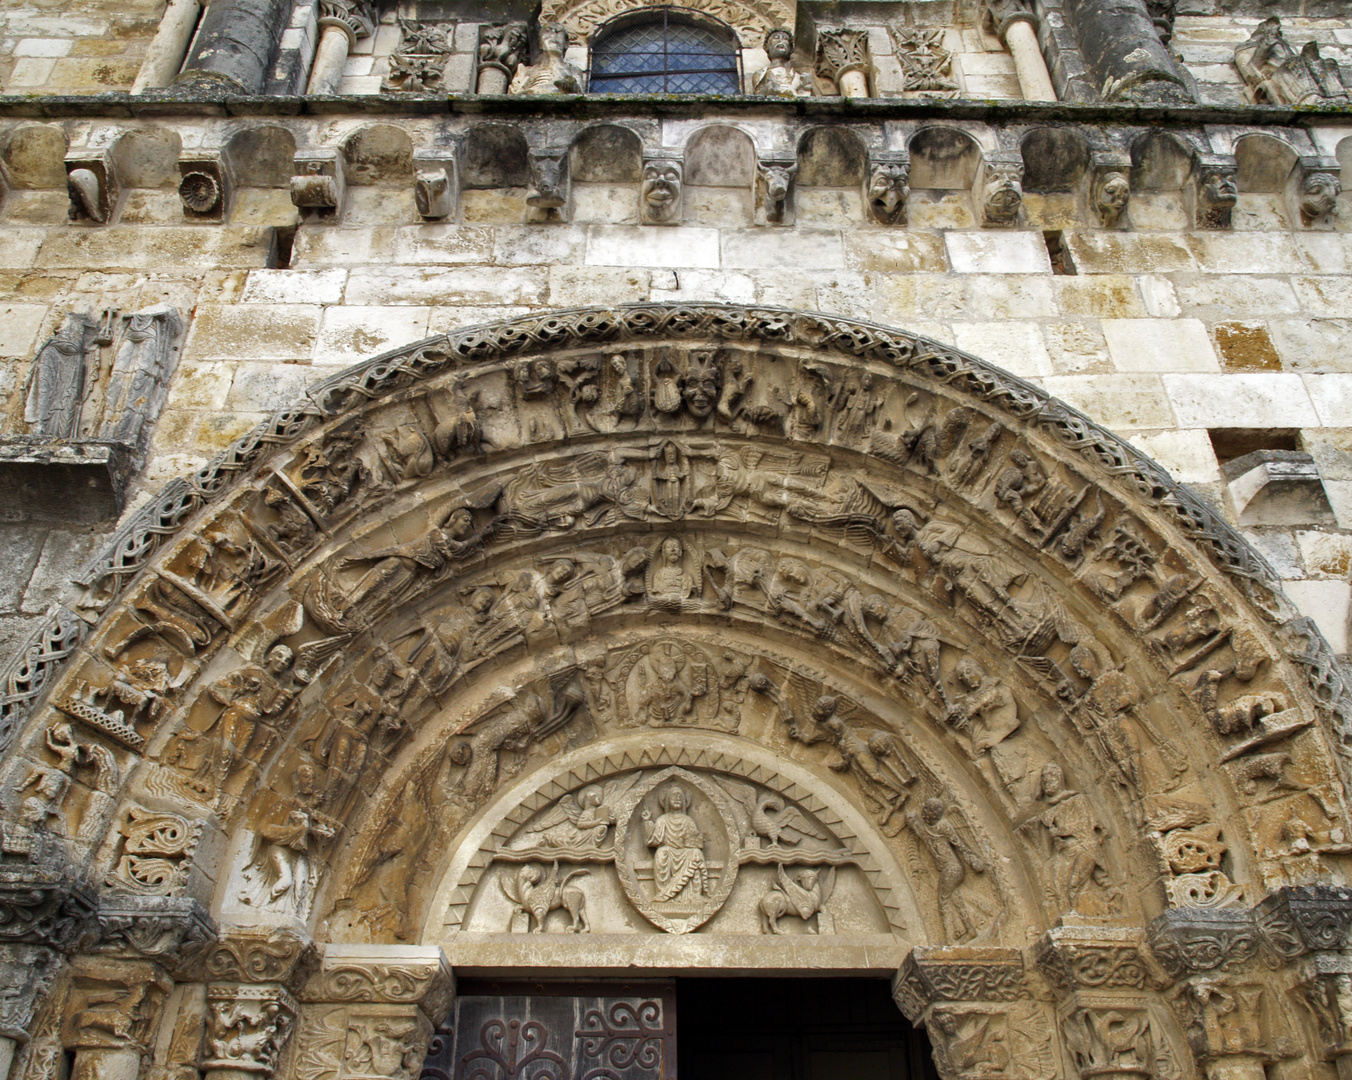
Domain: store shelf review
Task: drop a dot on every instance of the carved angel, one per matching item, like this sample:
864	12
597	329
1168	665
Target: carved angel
875	762
804	893
580	820
762	815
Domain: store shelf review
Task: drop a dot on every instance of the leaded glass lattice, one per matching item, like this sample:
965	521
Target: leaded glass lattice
664	53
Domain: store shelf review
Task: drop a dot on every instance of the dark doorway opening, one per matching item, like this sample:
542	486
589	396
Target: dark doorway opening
796	1029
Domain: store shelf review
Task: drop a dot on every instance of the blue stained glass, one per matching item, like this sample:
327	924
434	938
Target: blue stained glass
665	54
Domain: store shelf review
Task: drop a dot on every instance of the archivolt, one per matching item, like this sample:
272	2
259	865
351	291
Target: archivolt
1049	682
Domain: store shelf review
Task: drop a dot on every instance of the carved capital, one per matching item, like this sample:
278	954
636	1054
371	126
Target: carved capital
27	972
1298	919
247	1029
1095	958
353	16
929	976
1325	993
842	53
981	1041
1117	1041
1189	941
173	930
113	1004
40	905
271	955
384	974
1227	1018
363	1042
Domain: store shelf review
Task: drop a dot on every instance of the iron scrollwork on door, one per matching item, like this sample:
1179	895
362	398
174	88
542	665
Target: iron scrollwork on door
617	1035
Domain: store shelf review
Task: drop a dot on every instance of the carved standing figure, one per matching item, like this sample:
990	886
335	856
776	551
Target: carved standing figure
1076	838
953	856
56	384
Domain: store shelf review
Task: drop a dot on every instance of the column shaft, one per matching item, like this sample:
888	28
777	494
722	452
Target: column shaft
169	46
330	58
236	43
1021	40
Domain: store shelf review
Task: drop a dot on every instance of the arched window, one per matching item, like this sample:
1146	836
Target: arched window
664	51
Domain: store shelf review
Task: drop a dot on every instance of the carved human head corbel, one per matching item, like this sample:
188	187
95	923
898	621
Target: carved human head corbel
1319	193
1217	194
660	192
1112	191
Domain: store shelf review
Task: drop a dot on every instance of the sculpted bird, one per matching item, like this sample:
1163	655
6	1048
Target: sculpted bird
763	815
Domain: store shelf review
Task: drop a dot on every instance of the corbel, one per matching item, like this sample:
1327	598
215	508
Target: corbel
548	193
206	186
1214	190
1277	487
319	183
1312	191
887	186
999	188
1110	187
436	183
775	176
659	196
92	182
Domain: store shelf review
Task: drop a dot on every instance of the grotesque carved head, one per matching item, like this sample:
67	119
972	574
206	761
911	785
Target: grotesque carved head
887	191
699	387
549	186
1003	193
1110	197
1219	189
1318	197
553	40
661	190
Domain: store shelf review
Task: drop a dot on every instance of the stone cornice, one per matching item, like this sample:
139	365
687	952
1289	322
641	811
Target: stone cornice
587	106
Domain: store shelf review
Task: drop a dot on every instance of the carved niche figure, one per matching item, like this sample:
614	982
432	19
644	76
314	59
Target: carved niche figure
1276	73
660	192
536	899
987	713
1076	842
887	191
501	47
781	78
953	856
679	871
671	481
551	73
1112	191
1217	194
1318	197
804	893
418	65
1002	192
857	407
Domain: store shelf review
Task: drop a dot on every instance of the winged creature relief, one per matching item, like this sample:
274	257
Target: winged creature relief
803	893
536	898
579	823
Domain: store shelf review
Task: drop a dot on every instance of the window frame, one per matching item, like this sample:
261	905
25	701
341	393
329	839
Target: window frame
619	23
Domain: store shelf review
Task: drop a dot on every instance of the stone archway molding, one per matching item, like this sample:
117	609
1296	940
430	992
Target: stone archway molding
1067	709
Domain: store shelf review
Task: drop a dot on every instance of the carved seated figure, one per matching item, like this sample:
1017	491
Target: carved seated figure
1276	73
781	78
